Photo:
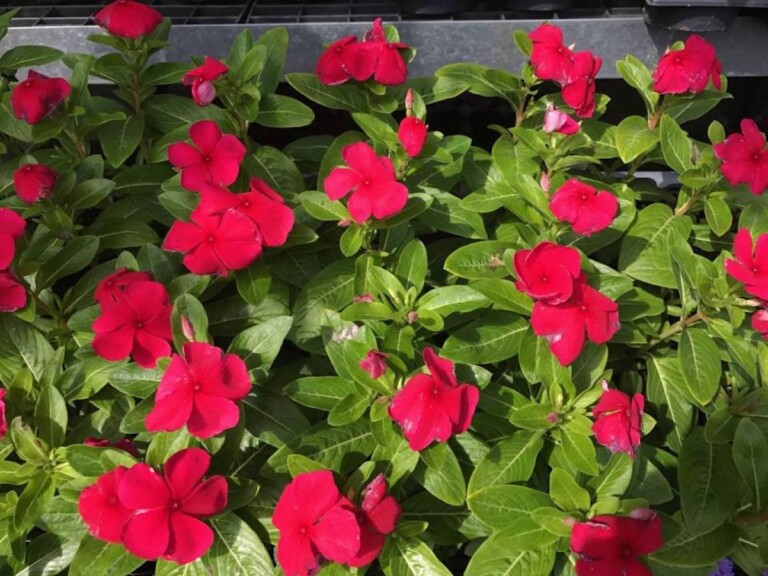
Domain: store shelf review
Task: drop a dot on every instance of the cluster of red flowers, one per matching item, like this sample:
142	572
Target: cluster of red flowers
688	69
13	295
157	515
566	306
317	523
433	407
375	57
618	420
38	96
574	71
751	269
135	318
585	208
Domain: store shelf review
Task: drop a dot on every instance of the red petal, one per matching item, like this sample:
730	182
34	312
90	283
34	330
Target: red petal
11	223
211	416
598	539
441	369
337	534
296	555
190	539
386	199
183	237
339	182
330	68
563	327
385	516
360	157
170	412
205	134
305	500
114	346
391	68
359	60
142	488
371	544
231	381
611	401
184	470
195	176
412	134
359	204
182	155
421	417
147	348
147	533
208	498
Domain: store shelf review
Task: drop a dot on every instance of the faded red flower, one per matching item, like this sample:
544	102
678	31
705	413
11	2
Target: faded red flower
547	272
12	228
3	421
412	134
13	295
750	268
371	179
201	79
200	390
374	363
138	324
315	522
378	515
612	545
745	158
215	159
128	19
564	325
433	407
560	122
101	509
124	444
34	181
111	287
587	209
391	67
347	58
38	96
760	322
579	89
215	243
618	421
688	69
168	508
551	59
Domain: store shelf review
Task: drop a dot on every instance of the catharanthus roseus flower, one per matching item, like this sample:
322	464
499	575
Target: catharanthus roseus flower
36	97
745	158
618	420
315	522
3	421
13	295
125	444
111	288
378	515
128	19
724	568
760	322
168	508
750	267
374	363
201	79
612	545
558	121
215	158
391	67
547	272
12	227
551	59
215	243
564	325
412	134
138	324
433	407
34	181
371	179
200	390
688	69
101	509
347	58
579	89
587	209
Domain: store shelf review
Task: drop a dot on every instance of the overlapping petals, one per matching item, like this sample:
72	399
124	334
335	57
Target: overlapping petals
201	79
587	209
412	134
750	266
101	509
578	90
551	59
688	69
374	363
377	516
128	19
759	322
391	67
618	421
34	181
745	158
13	295
38	96
111	288
547	272
12	228
557	121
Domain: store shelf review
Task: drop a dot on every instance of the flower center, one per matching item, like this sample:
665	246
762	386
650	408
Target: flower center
210	239
583	308
367	182
756	157
139	324
754	269
247	204
626	552
584	197
196	387
113	500
175	506
206	159
544	279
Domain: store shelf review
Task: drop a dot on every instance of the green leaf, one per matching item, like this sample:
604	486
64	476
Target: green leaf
277	170
98	557
614	479
483	81
275	41
277	111
676	147
672	411
167	112
441	474
412	557
323	208
411	265
479	260
637	75
489	339
32	501
349	409
88	193
566	492
259	346
320	392
53	561
51	416
344	97
273	418
633	138
579	451
75	256
498	506
700	363
497	557
237	549
447	214
511	460
689	550
503	295
121	138
179	203
27	57
445	300
514	160
253	282
686	108
533	417
750	455
164	73
718	215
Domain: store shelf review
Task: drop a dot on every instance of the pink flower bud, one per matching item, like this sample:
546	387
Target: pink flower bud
560	122
409	102
412	317
552	417
203	93
344	223
544	181
187	329
363	298
374	363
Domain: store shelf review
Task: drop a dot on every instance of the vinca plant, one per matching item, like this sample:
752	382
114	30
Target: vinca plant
382	351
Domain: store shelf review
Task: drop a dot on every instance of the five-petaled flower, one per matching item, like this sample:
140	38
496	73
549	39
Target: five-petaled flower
377	516
611	545
618	420
101	509
558	121
745	157
579	89
38	96
551	59
374	363
347	58
34	181
201	79
111	287
688	69
371	179
13	295
200	390
750	267
587	209
547	272
12	228
391	68
215	158
128	19
433	407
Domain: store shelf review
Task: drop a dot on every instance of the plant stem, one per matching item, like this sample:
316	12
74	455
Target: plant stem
77	144
673	330
688	204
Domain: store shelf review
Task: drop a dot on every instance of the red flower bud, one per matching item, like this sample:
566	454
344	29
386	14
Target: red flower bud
412	135
34	181
38	96
128	19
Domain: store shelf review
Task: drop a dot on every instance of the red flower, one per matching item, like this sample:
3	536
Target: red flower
347	58
433	407
611	545
391	67
201	79
584	207
618	421
137	324
550	58
101	509
374	363
378	515
216	160
216	243
412	134
200	390
689	69
563	325
262	205
34	181
547	272
579	90
3	421
759	324
167	509
315	521
750	268
111	288
38	96
745	158
371	179
12	228
128	19
13	295
125	444
560	122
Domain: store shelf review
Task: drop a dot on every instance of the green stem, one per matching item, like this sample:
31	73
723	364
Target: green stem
685	208
673	330
77	144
